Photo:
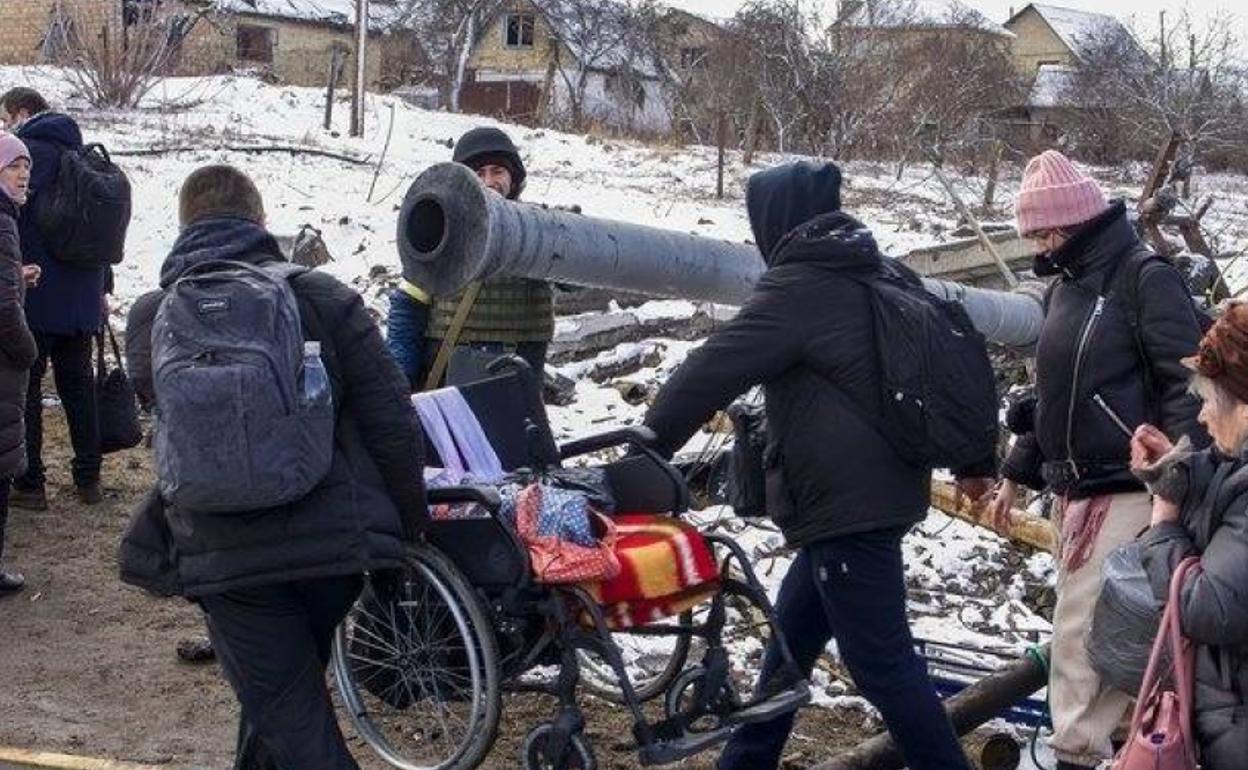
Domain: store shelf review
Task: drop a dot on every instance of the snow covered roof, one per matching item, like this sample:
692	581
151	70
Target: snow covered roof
677	7
1077	29
919	14
382	14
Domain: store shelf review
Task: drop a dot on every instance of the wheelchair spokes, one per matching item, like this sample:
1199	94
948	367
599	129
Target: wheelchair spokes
416	668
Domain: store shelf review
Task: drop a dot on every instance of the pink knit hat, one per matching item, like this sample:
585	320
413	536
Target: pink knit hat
11	148
1054	194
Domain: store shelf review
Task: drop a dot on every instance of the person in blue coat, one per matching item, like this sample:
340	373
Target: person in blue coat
64	311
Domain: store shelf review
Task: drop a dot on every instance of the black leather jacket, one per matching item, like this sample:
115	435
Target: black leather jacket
1098	376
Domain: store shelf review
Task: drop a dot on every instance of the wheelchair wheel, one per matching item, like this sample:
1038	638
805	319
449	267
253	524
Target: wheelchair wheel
682	696
579	755
417	666
654	663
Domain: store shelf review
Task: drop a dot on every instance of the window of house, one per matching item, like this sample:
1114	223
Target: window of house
692	57
519	30
255	43
626	88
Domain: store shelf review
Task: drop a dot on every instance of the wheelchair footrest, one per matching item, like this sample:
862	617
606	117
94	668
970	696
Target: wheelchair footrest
765	710
663	752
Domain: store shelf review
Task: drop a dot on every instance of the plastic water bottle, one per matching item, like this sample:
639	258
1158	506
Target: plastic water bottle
316	391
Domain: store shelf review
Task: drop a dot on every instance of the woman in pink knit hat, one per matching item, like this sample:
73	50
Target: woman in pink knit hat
17	346
1118	319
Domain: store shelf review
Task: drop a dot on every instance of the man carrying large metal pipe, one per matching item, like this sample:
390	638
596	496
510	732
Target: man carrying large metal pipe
433	333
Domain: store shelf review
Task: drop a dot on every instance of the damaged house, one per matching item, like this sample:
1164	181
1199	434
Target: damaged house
571	62
300	42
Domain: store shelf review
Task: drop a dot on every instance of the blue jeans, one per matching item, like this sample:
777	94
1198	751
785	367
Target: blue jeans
405	334
853	588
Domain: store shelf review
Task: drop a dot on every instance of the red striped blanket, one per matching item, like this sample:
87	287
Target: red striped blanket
666	567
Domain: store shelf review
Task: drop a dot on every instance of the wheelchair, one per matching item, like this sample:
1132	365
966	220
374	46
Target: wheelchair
424	656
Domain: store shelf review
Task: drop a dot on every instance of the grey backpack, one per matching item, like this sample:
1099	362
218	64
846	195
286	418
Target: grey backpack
235	431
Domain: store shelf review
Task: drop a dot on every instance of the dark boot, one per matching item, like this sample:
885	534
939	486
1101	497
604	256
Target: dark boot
11	583
89	494
35	499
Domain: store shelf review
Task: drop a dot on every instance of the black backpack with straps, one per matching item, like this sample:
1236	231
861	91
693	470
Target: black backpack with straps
938	396
83	216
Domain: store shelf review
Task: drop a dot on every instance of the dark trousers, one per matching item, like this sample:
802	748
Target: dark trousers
70	356
853	588
274	644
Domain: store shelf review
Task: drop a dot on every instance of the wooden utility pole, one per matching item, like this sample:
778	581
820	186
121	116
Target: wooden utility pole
361	59
720	139
336	58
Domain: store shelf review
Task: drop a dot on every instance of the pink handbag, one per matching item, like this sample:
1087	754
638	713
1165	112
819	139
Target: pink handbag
1161	725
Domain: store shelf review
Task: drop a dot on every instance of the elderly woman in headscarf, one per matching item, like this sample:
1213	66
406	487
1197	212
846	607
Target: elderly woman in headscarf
1200	508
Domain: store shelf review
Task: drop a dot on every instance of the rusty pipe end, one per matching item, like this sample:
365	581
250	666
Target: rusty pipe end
443	229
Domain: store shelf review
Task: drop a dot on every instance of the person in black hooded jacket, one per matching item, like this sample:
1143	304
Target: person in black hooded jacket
838	490
275	583
1118	320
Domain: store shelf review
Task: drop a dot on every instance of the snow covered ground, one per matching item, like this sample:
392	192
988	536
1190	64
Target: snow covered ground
968	587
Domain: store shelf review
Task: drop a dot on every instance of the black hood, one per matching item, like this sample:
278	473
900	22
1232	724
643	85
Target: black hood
835	239
780	199
51	127
219	238
1098	244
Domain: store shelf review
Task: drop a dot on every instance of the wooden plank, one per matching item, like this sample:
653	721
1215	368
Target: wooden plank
1026	528
968	257
22	759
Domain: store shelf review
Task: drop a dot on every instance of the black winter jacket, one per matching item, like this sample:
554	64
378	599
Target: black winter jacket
17	346
67	299
805	335
1089	364
360	515
1214	525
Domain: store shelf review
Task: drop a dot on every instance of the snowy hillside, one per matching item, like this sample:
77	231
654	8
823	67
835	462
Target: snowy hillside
968	587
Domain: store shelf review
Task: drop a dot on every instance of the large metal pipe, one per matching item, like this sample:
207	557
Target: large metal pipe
452	231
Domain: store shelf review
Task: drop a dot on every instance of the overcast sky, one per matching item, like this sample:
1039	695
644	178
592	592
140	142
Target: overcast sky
1141	13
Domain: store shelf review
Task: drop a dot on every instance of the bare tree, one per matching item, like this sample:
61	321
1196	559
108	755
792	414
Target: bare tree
616	39
1126	98
115	58
448	30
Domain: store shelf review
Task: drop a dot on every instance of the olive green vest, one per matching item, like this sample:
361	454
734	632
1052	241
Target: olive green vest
508	310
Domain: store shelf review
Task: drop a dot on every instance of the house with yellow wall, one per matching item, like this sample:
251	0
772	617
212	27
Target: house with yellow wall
562	61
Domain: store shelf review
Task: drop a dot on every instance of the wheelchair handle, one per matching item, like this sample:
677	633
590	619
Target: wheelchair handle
486	496
637	436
